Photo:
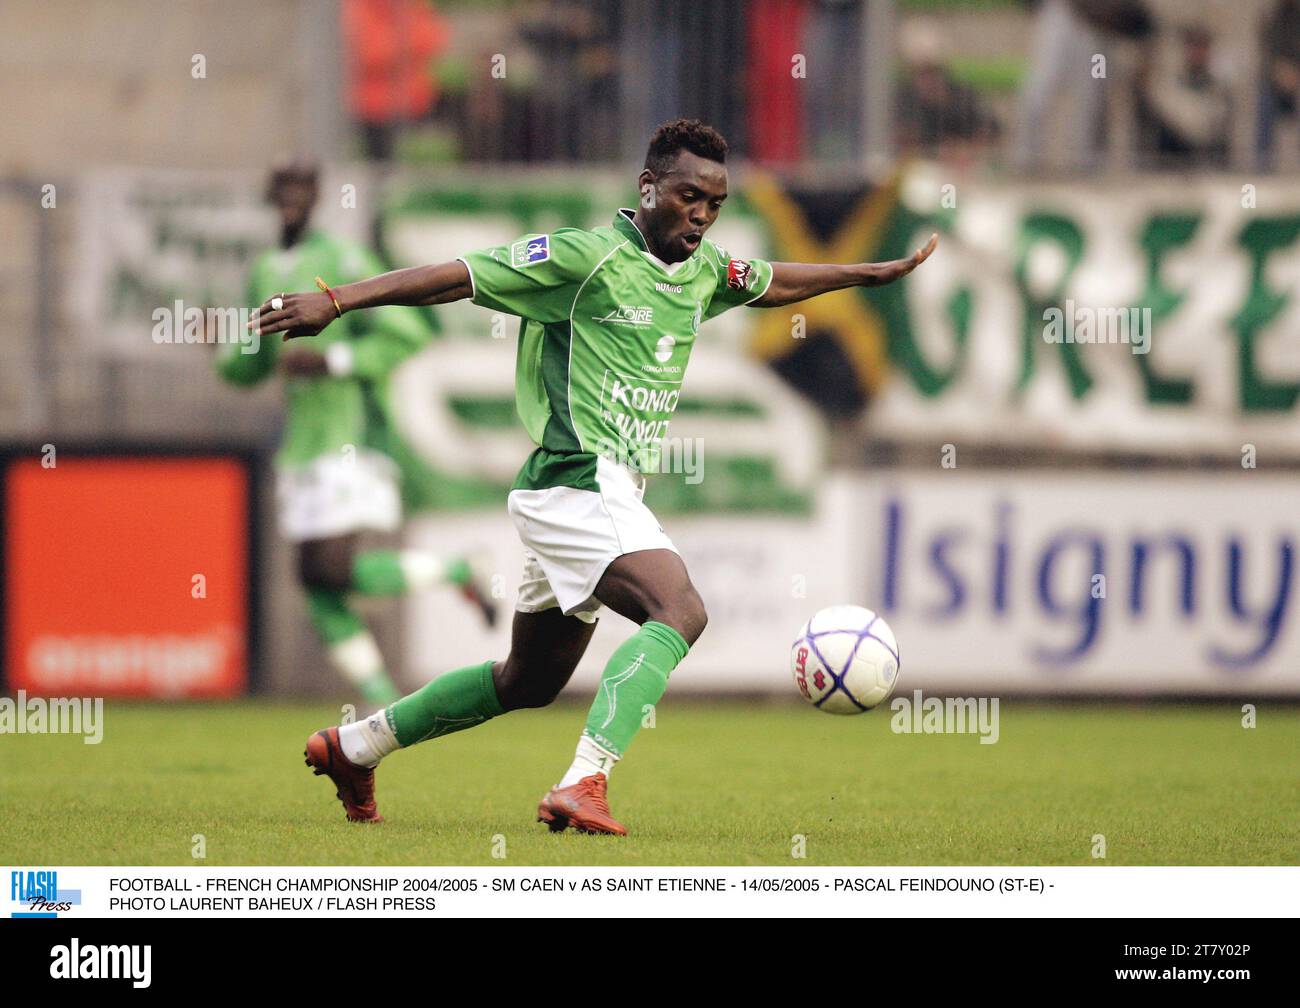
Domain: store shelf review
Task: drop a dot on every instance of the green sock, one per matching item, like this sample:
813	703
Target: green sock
636	676
454	701
458	572
351	647
378	572
330	614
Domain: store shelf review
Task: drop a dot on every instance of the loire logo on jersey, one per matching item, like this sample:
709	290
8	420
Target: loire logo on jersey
530	251
628	315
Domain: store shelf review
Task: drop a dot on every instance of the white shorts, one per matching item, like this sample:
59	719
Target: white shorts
337	494
570	536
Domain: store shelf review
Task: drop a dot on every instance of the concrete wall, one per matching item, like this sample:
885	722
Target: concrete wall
94	82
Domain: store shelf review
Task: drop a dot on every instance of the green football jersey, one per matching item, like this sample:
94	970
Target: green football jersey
606	333
328	413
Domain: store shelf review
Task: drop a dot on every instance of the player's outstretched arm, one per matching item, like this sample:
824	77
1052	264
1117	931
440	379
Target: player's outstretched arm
793	282
307	313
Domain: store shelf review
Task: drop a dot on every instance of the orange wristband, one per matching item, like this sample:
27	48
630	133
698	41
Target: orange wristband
333	297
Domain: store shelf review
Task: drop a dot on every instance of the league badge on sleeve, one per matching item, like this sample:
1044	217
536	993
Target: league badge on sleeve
528	251
739	274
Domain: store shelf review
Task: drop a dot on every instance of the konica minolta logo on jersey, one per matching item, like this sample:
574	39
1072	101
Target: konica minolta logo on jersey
642	399
37	894
628	315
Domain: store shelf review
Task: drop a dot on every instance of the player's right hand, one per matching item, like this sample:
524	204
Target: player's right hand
302	315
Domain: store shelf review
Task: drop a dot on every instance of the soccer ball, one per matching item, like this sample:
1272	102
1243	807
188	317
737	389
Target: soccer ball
845	660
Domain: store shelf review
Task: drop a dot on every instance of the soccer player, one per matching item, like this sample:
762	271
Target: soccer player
334	479
609	319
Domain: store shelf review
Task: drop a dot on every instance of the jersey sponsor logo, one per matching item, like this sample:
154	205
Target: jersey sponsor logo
529	251
664	349
667	288
638	397
739	274
638	430
628	315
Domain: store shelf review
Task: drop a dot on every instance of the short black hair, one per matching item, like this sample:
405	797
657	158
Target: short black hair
699	138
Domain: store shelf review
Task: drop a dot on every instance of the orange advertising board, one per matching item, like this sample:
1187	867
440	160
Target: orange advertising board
127	576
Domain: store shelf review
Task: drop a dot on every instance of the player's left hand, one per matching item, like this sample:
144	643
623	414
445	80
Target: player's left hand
299	315
888	272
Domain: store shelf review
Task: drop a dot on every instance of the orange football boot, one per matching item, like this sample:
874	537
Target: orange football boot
582	806
355	784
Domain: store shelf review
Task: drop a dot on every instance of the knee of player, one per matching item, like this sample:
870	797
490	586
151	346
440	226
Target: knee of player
699	620
518	688
687	616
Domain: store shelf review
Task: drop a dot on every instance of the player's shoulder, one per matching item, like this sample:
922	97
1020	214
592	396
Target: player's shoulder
569	248
714	254
590	241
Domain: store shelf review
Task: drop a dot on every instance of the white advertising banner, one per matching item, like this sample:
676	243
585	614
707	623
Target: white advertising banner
1021	581
1043	581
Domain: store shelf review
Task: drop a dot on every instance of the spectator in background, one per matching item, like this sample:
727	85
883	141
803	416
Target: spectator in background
937	115
1279	92
834	40
390	45
1068	36
1183	103
574	100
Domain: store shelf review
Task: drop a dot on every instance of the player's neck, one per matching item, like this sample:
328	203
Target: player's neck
292	234
640	223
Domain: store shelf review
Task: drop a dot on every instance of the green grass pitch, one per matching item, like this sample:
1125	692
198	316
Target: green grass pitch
725	783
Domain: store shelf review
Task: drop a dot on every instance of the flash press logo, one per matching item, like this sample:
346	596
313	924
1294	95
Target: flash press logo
39	893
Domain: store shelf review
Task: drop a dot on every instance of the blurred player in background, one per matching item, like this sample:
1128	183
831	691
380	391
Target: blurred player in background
609	319
334	479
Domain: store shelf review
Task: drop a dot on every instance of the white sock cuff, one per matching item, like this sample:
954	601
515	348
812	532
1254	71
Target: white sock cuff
589	759
369	740
357	657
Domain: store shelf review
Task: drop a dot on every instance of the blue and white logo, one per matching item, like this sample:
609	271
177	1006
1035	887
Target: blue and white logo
37	894
529	251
